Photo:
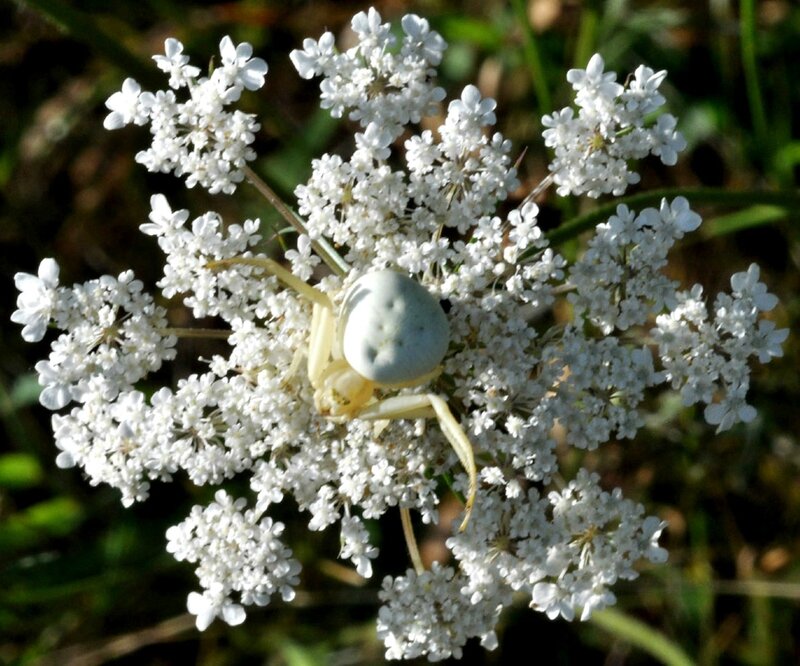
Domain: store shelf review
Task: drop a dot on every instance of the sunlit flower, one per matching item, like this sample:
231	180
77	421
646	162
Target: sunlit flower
284	411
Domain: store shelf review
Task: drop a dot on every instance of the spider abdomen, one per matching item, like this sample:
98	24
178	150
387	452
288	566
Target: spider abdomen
393	329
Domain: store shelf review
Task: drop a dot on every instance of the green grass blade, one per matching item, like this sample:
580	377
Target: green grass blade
642	636
533	59
749	218
19	470
587	37
572	228
747	21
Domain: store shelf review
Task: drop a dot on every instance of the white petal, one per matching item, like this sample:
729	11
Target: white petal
34	332
113	120
233	614
227	50
48	272
54	397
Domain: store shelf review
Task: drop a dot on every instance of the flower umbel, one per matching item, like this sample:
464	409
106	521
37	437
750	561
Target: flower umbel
196	138
355	392
592	149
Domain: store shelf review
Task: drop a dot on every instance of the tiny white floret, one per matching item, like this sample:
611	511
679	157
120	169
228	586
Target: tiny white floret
393	329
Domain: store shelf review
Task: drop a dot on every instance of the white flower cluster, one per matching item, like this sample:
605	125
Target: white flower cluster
426	206
188	251
592	149
564	550
236	551
427	614
618	281
385	216
706	358
112	333
196	138
375	80
113	336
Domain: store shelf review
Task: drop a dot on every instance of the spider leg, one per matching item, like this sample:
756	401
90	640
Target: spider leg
286	276
320	341
322	333
427	405
294	366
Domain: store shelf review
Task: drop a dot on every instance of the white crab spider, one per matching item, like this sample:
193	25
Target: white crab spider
391	333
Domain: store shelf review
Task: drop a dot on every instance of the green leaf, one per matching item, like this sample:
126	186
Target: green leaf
57	516
474	31
39	523
19	470
533	59
752	76
24	392
302	655
697	196
788	156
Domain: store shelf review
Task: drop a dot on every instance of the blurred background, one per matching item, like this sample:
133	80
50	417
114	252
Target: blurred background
83	581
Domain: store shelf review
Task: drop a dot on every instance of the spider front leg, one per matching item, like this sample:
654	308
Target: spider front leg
323	327
427	405
320	342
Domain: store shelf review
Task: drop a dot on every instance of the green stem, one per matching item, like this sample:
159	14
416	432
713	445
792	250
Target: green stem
214	333
533	59
747	25
703	195
541	187
448	481
642	636
759	588
322	247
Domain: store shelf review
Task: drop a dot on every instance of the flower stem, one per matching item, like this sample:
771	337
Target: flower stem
644	637
541	187
411	540
214	333
322	247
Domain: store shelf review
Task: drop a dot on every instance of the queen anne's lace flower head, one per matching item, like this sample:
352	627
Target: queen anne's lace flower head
429	206
237	552
197	138
378	80
704	356
592	149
